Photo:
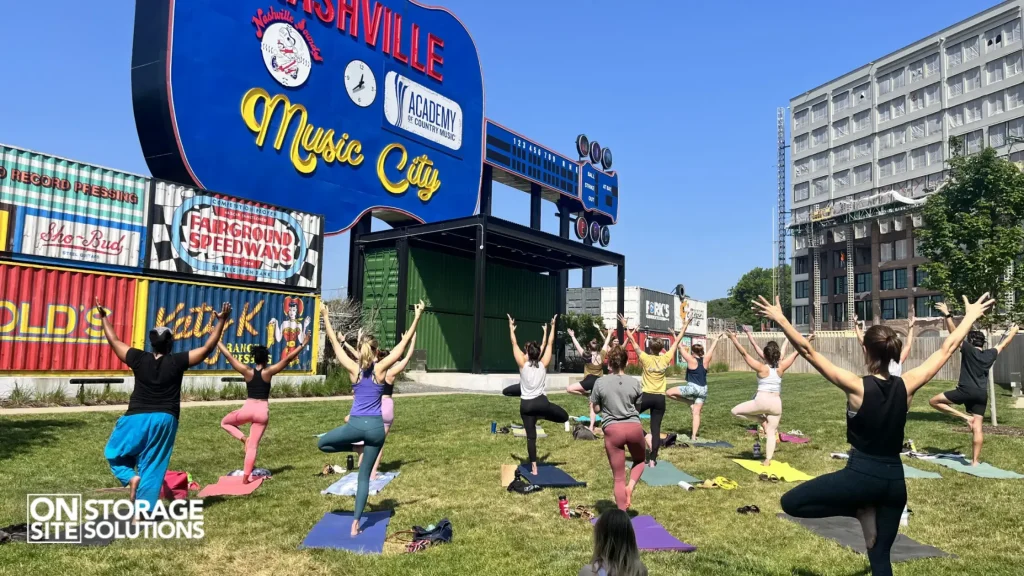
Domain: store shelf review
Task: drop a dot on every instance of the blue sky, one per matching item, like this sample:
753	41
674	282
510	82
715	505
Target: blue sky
684	93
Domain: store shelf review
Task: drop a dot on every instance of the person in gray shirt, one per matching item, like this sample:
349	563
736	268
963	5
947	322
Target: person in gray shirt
617	394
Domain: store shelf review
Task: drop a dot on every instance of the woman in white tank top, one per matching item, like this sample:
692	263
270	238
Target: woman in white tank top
766	407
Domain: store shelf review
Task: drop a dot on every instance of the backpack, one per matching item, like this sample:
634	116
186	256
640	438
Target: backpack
175	486
581	432
425	537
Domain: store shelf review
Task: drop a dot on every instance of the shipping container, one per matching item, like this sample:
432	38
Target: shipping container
61	212
583	301
443	281
697	312
49	324
200	233
658	311
380	293
276	320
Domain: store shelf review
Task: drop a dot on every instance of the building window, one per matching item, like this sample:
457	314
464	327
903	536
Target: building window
860	94
821	186
954	55
862	282
824	312
972	111
801	192
840	102
839	259
994	72
894	309
801	265
885	252
901	249
839	311
995	104
819	162
801	118
918	158
884	112
840	284
800	315
862	174
863	310
862	148
1012	64
972	49
924	306
862	121
1014	98
802	167
901	278
955	86
931	65
973	142
997	135
934	152
819	111
800	143
819	137
841	128
841	180
972	80
916	70
824	287
919	276
888	279
800	289
862	256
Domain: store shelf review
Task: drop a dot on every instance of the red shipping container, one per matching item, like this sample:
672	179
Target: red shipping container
48	322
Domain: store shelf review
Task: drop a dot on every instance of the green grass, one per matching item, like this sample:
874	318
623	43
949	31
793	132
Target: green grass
450	467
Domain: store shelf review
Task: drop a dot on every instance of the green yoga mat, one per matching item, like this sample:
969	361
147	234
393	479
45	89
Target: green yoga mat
911	472
981	470
666	474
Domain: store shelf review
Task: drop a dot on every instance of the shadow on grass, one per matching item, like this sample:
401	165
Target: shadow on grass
541	460
276	471
934	416
602	506
802	572
396	465
23	436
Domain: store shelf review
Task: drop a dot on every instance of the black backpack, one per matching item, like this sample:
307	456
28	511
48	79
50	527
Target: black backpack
581	432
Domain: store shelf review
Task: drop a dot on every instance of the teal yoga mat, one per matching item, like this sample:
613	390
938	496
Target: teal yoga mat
981	470
666	474
911	472
586	419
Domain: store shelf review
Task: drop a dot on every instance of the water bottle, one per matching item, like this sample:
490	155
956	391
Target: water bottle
494	427
757	448
566	425
905	517
563	507
685	486
350	462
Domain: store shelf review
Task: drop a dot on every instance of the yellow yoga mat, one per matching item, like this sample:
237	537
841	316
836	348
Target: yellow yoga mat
521	433
783	471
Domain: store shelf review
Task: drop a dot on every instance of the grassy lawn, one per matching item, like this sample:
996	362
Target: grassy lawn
449	466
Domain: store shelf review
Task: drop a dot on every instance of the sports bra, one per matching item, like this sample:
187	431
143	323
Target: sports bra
257	388
770	383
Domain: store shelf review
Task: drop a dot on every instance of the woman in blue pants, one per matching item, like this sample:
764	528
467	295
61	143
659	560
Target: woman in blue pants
139	448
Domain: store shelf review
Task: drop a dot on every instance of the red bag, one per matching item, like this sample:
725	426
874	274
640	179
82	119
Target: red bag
175	486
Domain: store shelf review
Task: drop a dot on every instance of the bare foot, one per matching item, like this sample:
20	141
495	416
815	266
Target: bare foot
373	476
133	486
767	462
867	519
355	529
975	463
629	493
969	419
533	468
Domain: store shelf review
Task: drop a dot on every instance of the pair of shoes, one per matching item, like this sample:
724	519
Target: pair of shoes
581	511
752	509
768	477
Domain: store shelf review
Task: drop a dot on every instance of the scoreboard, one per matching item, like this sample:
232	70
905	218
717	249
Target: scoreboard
523	162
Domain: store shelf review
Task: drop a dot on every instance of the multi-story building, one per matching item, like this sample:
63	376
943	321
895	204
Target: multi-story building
868	148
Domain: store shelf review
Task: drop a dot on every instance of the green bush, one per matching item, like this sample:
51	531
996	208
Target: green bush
338	383
634	369
19	398
233	391
718	367
109	396
286	390
57	397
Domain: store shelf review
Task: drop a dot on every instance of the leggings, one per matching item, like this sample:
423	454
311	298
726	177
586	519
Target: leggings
764	404
366	429
538	408
256	413
656	404
142	441
617	438
865	482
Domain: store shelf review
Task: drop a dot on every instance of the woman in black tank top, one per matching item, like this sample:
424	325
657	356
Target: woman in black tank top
871	488
256	410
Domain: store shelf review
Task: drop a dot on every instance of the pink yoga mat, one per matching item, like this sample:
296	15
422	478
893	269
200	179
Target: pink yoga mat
230	486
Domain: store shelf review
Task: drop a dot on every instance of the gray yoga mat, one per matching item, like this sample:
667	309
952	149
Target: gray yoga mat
981	470
846	531
911	472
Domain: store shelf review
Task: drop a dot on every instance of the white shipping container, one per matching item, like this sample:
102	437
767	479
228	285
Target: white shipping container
697	310
609	306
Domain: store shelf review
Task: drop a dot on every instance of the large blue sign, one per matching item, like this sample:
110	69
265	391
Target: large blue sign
333	107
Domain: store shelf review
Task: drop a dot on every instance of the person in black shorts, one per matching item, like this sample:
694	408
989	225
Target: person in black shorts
972	388
872	487
593	368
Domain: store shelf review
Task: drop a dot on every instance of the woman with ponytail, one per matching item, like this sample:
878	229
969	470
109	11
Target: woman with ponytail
615	549
766	407
871	488
366	421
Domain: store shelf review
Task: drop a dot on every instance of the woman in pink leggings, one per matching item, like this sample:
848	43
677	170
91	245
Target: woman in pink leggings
617	396
256	410
387	404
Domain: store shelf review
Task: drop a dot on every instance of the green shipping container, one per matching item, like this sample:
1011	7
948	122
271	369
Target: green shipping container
444	282
380	293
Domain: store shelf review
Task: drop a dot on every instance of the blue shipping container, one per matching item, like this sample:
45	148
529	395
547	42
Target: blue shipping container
276	320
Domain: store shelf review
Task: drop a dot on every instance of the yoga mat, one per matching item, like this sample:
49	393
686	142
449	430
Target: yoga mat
521	432
19	533
847	532
654	537
787	438
708	443
981	470
586	419
665	474
911	472
230	486
334	531
784	471
347	485
550	477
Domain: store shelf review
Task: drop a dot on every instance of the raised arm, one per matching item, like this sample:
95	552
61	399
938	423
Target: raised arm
753	344
120	348
754	363
545	358
921	375
629	333
844	379
347	362
1007	339
860	334
397	367
941	307
711	351
607	338
242	369
909	343
284	362
572	334
399	349
197	355
787	361
516	350
678	340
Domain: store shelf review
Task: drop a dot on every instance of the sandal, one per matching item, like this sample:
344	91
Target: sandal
768	477
719	482
583	512
752	509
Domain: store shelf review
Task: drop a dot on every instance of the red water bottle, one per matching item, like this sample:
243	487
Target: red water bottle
563	507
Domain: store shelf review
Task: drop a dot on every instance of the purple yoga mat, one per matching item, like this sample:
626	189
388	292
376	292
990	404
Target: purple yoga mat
653	537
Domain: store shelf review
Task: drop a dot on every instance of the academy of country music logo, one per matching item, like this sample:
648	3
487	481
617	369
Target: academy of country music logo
288	48
417	109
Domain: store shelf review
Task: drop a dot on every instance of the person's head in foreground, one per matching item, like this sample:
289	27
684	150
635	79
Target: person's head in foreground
881	345
617	359
533	352
656	345
161	339
594	345
976	338
697	350
260	355
615	549
772	353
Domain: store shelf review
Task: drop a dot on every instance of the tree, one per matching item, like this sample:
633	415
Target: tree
974	234
721	308
583	326
757	282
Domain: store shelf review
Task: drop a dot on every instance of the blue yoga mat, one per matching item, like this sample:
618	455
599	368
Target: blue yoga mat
550	477
334	531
